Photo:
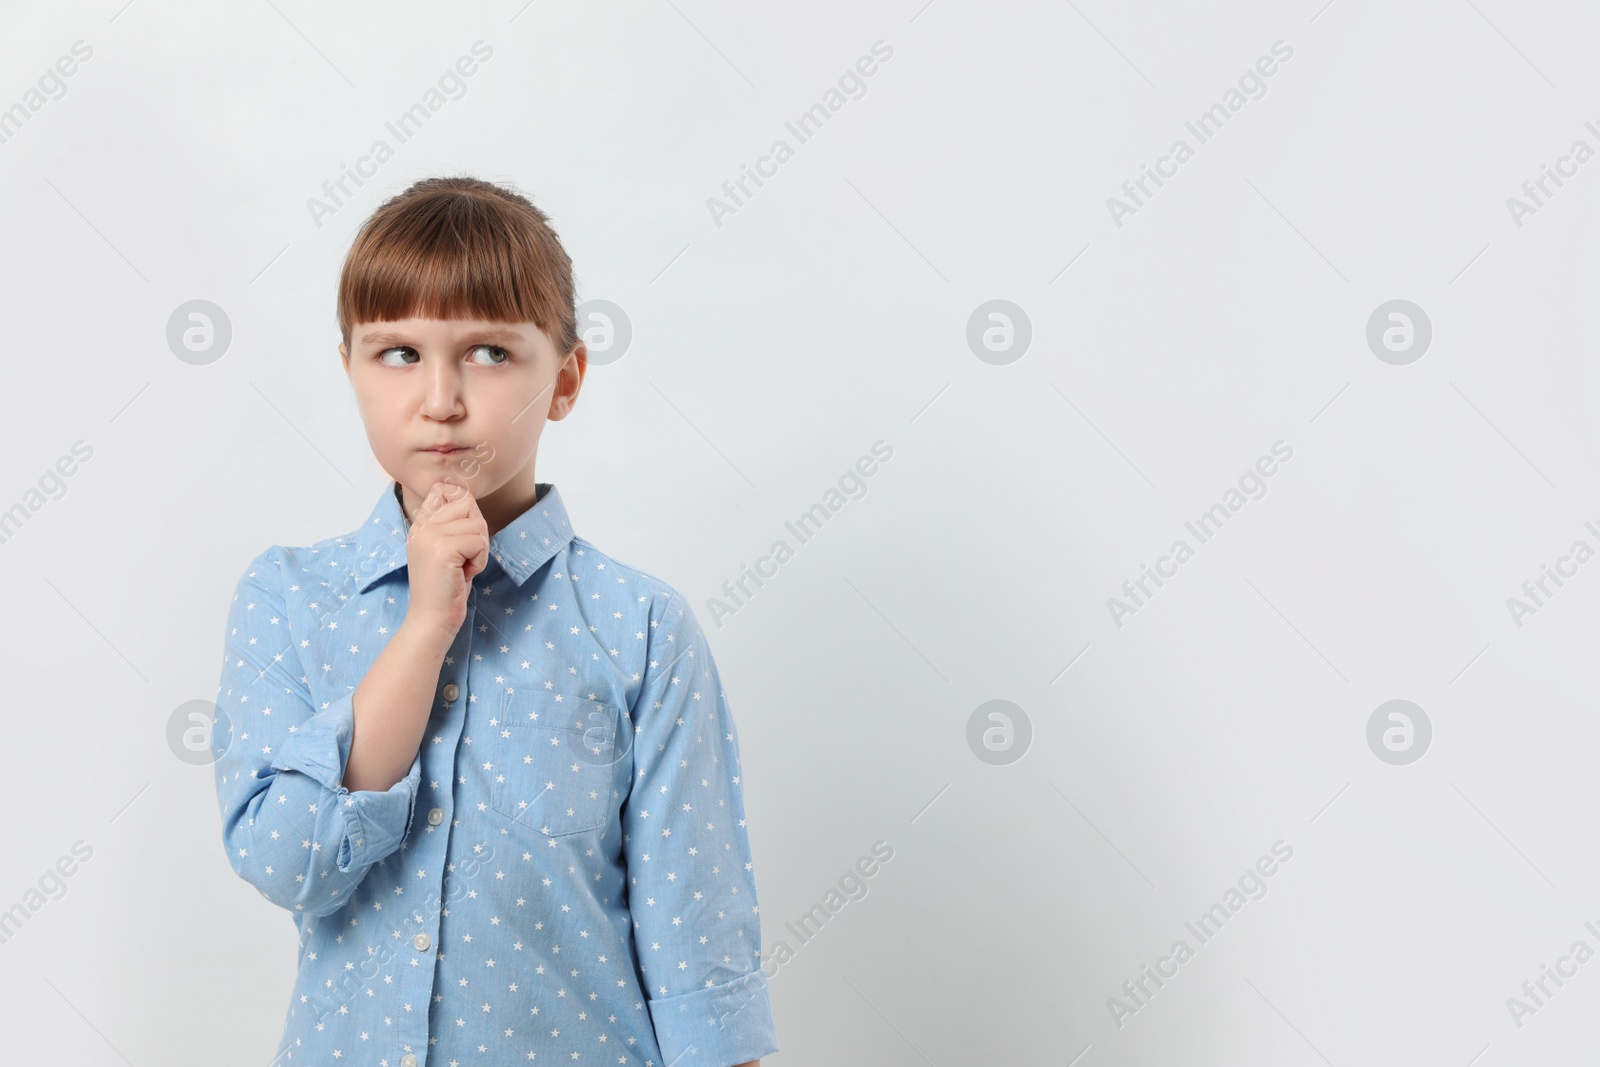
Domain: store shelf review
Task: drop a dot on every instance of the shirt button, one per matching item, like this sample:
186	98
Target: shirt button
408	1060
451	691
436	816
422	942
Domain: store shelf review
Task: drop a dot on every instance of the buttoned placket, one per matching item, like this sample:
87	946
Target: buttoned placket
426	853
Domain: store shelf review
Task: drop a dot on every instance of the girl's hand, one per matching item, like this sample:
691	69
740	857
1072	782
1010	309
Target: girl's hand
447	546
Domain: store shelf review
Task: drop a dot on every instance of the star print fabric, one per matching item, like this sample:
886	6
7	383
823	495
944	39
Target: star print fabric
563	876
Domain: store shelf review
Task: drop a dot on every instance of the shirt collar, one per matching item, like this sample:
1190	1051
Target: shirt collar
527	543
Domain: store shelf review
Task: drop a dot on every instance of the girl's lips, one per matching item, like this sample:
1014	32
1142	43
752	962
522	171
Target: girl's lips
443	451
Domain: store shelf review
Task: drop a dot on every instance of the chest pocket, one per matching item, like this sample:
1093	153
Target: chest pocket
553	774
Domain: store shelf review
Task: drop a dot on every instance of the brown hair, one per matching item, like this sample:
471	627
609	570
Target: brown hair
459	247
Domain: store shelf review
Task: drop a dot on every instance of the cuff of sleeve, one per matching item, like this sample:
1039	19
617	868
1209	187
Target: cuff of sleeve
719	1026
375	822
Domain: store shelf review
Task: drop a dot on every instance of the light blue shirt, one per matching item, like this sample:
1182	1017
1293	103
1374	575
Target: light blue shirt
564	876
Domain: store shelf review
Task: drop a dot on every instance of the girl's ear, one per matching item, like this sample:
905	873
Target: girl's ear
569	379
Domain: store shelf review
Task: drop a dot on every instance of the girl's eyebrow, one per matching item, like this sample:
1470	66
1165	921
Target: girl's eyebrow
491	336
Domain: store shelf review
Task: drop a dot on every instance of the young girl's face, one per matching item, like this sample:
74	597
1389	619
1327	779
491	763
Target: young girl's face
485	388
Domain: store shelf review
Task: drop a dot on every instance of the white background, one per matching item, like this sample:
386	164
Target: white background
768	354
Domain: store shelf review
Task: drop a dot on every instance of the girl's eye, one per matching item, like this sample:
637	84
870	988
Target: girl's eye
399	348
493	348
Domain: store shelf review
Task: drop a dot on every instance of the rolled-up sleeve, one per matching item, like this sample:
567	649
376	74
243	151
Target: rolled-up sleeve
691	888
290	826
